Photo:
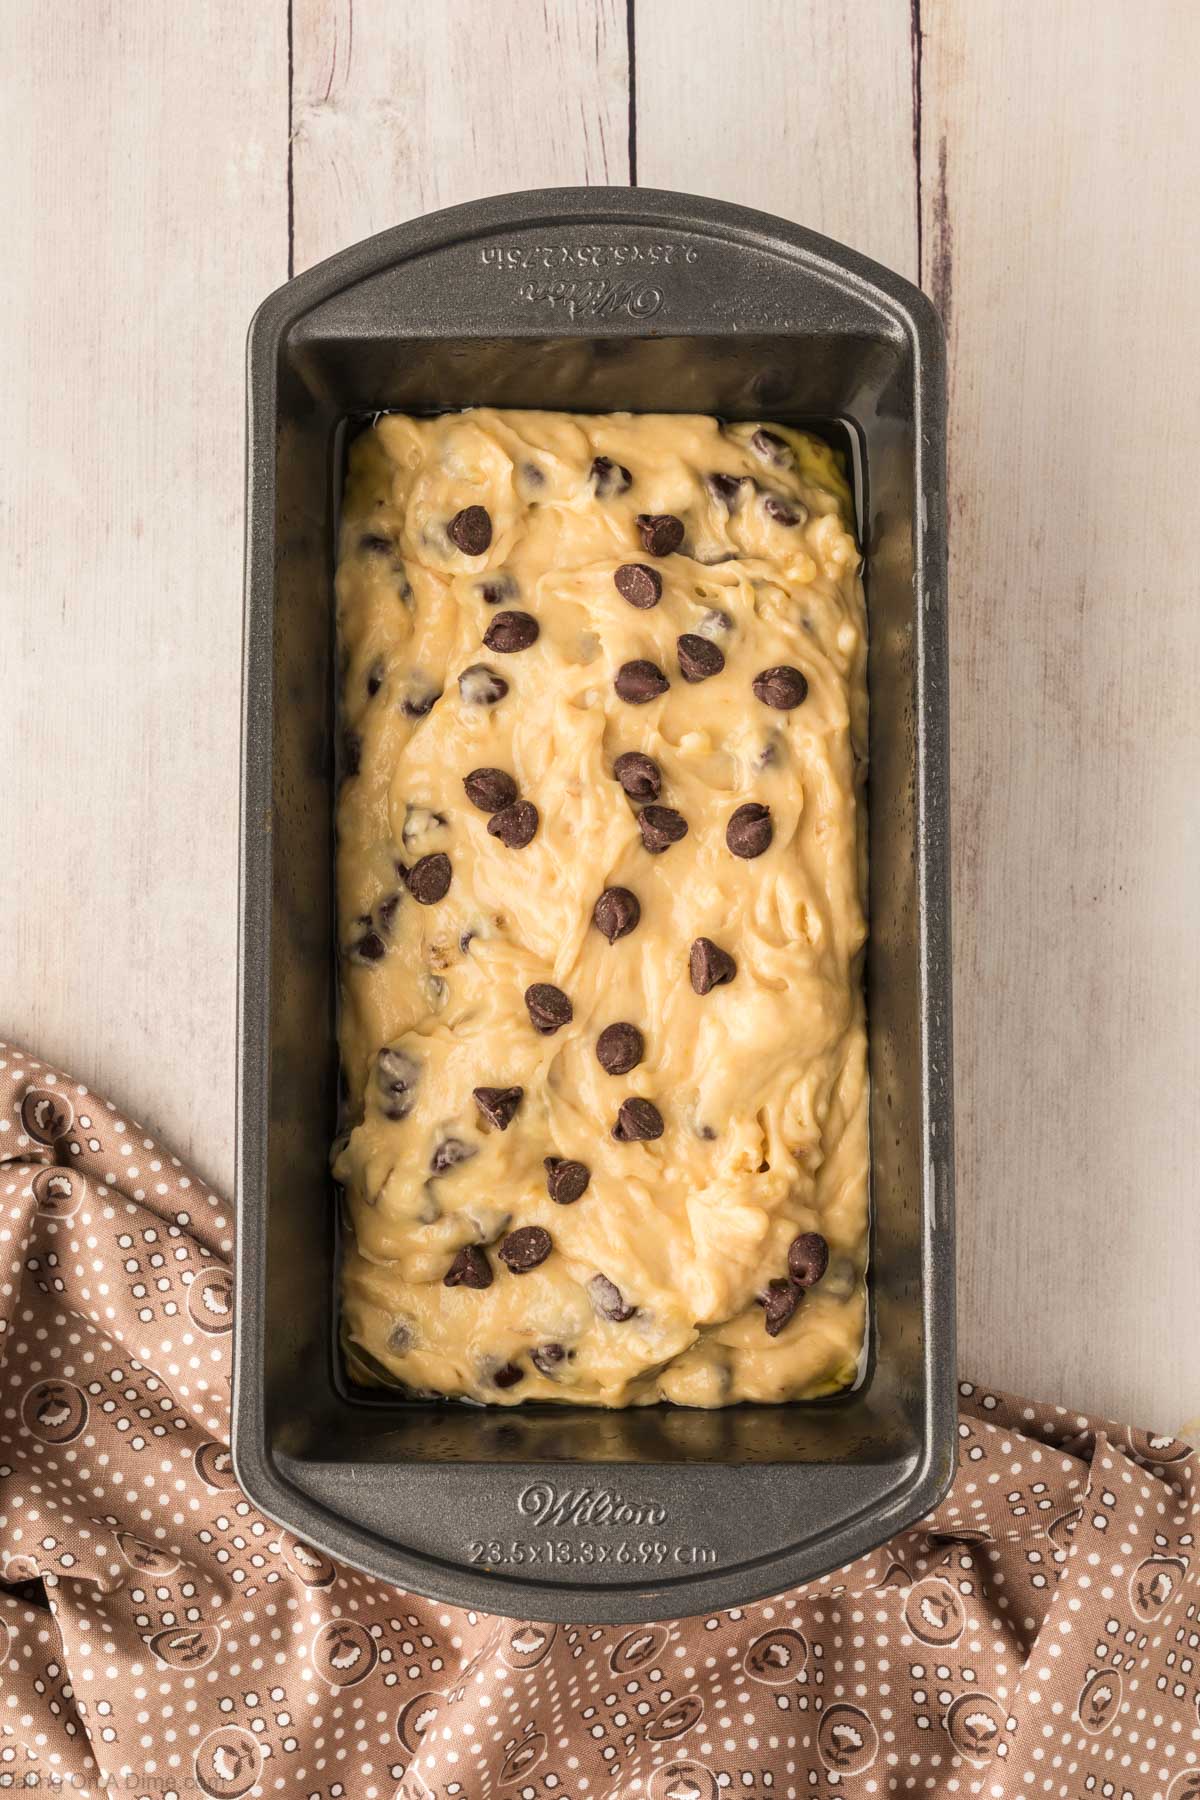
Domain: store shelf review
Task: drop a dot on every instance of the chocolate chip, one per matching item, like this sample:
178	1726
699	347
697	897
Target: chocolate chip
620	1048
661	533
466	939
449	1153
497	588
639	584
779	510
565	1181
715	623
470	1268
772	448
749	831
725	488
698	657
781	687
546	1357
368	948
498	1105
532	475
375	544
779	1303
396	1075
610	477
385	912
549	1009
709	965
471	530
511	631
508	1375
524	1249
640	681
429	878
638	1121
515	825
808	1258
639	775
616	913
420	699
608	1299
661	826
374	679
481	686
490	789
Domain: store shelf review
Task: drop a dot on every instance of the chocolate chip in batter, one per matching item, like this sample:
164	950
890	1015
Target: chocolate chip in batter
616	913
515	825
532	476
639	775
640	681
481	686
449	1154
470	1268
375	544
549	1009
749	831
620	1048
661	533
781	687
779	1303
772	448
547	1357
375	676
661	826
610	477
396	1076
781	510
511	631
608	1300
524	1249
715	623
808	1258
699	658
471	530
385	912
367	949
498	1105
420	699
566	1181
508	1375
709	965
639	584
429	878
497	588
726	488
490	789
638	1121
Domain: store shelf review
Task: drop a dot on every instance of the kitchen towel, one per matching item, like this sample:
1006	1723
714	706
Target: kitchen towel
1038	1634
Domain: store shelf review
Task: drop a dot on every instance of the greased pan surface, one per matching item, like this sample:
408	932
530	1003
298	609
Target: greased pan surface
588	300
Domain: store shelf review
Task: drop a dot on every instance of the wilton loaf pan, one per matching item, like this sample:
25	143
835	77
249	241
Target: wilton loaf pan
588	300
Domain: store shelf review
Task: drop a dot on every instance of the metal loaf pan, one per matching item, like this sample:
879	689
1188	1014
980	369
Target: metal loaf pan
588	300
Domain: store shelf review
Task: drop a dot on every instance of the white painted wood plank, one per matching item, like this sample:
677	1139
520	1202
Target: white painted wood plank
398	110
144	150
1059	161
800	107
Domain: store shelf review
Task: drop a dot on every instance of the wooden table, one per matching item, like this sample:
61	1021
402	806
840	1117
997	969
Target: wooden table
1033	165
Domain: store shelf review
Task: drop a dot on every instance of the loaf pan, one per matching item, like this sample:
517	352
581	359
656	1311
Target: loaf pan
589	300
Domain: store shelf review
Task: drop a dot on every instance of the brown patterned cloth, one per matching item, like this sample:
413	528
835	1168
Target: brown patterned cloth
1038	1634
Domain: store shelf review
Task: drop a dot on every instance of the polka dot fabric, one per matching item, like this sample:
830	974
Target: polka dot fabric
1038	1634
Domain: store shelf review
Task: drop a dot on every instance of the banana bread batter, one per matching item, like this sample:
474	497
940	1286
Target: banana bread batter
601	871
